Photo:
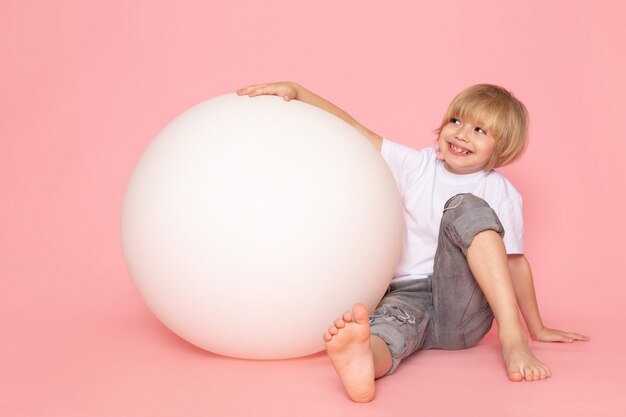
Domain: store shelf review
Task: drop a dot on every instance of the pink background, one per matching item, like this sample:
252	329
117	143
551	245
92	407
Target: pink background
85	86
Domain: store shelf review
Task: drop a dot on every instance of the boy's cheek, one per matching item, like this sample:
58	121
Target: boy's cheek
438	150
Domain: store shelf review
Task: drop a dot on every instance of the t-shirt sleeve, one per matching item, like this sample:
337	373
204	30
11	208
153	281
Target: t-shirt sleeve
406	164
512	219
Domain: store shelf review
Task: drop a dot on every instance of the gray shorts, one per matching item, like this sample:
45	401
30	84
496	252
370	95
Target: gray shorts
446	310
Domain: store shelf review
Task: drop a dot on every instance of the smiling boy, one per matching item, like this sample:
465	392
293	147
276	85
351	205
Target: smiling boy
463	260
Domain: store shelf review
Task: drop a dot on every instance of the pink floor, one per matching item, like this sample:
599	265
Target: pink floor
85	86
124	363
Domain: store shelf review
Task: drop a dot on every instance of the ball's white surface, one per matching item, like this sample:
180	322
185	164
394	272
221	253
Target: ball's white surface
249	225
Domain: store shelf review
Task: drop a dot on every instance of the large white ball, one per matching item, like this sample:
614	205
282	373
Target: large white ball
250	224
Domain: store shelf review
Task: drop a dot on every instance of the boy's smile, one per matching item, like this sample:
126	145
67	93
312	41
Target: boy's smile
458	150
466	147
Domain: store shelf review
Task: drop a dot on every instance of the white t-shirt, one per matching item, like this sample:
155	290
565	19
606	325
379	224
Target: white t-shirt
425	186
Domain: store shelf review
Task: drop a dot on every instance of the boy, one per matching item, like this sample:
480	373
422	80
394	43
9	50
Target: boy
459	269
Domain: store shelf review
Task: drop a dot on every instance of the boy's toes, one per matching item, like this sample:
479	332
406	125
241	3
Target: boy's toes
332	330
340	324
515	375
527	373
347	317
360	314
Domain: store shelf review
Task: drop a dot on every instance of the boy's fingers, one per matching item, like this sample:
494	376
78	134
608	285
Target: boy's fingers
261	90
564	337
266	89
249	89
570	337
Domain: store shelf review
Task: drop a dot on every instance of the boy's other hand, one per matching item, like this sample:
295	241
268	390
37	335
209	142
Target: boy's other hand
288	91
555	335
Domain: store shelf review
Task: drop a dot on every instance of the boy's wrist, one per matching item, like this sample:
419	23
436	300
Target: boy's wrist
536	330
299	91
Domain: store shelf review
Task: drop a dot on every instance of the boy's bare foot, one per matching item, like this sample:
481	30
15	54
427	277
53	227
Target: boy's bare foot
349	349
521	364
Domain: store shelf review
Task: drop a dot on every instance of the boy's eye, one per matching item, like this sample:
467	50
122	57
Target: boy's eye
455	121
480	130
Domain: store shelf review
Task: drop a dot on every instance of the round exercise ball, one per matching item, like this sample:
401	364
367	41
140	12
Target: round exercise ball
250	224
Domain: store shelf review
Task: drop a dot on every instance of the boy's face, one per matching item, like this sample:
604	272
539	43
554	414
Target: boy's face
466	147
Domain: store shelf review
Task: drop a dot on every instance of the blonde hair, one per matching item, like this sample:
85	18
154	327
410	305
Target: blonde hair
499	113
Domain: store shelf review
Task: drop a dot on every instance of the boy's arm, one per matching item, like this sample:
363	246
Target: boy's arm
525	293
290	91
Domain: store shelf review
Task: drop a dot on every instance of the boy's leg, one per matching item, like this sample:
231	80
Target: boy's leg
488	261
471	275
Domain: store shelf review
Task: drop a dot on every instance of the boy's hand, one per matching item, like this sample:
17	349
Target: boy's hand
288	91
555	335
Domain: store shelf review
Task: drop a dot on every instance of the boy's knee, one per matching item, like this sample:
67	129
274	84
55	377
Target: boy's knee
464	202
466	215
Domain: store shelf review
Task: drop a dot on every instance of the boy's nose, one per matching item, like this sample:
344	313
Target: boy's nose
464	133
